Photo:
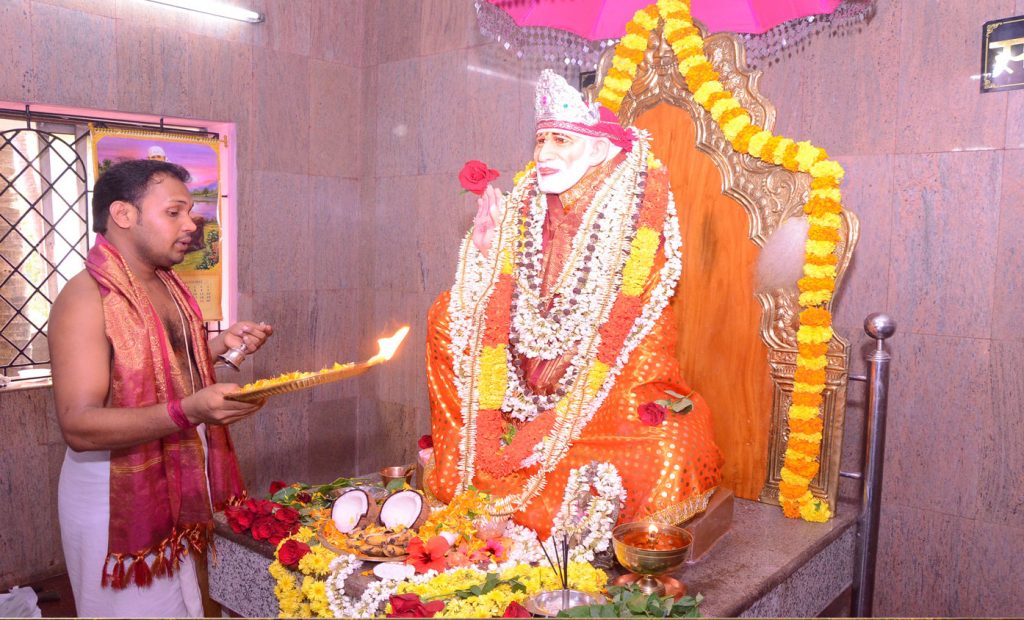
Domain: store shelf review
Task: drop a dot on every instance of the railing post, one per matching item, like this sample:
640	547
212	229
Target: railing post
880	327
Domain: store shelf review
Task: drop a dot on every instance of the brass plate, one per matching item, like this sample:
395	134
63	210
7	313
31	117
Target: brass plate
673	587
295	385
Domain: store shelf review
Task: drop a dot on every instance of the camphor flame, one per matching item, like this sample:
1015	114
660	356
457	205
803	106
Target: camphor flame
388	346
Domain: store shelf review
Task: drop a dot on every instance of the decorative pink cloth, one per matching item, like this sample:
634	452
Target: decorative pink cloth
160	502
607	126
606	19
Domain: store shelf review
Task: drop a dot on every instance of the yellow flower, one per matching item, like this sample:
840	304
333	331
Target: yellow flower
641	259
735	126
598	373
820	271
493	376
802	412
793	478
814	363
645	20
530	165
623	64
635	42
706	90
810	334
815	510
817	388
819	248
780	150
831	193
807	155
758	141
317	561
812	437
827	168
688	63
720	107
830	220
815	298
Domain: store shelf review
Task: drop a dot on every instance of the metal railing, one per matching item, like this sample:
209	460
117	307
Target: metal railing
880	327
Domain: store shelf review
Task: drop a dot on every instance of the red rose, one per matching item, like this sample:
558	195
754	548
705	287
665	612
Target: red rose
652	414
475	176
410	606
238	518
291	552
286	515
515	610
277	485
304	498
260	506
279	531
425	442
264	527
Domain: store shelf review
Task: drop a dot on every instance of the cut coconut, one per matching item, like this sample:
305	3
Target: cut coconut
354	509
403	509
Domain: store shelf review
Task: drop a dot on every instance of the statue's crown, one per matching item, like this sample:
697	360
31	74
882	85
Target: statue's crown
557	101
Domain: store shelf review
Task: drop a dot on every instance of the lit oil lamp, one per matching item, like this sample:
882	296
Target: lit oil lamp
648	551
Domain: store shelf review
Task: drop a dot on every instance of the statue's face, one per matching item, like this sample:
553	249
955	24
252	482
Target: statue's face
563	158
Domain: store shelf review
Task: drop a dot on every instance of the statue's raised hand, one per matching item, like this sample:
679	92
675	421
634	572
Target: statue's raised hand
489	209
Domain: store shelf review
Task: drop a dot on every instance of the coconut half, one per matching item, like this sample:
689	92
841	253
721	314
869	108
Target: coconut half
354	509
403	509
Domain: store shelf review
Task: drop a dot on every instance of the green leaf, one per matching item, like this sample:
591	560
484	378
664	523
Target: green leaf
638	604
396	485
675	394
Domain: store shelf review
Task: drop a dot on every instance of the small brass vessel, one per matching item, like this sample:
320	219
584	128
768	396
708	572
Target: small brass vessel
673	544
390	474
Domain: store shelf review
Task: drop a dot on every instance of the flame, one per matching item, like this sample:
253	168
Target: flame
652	531
388	346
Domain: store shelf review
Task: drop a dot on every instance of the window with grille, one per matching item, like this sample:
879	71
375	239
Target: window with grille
45	232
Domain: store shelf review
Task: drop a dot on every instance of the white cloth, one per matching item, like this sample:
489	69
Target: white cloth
83	498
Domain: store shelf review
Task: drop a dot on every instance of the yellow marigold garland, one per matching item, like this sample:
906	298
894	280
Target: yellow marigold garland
823	211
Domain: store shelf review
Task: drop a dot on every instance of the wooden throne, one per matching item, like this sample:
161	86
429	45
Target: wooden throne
737	347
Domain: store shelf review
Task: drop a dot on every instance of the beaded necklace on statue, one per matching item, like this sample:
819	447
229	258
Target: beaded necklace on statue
586	280
496	297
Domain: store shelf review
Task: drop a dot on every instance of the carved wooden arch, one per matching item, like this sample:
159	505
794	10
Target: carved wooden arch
769	194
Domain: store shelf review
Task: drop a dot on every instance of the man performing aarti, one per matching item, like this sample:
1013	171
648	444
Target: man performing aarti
149	454
556	341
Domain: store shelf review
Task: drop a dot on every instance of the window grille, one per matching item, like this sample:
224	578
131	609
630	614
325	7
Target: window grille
44	234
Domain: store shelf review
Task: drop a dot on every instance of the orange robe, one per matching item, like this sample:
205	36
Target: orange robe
669	470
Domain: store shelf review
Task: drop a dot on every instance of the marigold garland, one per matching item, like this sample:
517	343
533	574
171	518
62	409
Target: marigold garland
823	210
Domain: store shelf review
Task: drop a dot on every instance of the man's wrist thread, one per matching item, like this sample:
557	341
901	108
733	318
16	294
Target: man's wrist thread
177	413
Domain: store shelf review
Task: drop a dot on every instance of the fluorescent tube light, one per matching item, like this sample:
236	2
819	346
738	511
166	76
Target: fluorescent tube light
215	8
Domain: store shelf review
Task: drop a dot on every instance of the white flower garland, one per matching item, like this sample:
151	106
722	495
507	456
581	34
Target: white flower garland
368	605
599	511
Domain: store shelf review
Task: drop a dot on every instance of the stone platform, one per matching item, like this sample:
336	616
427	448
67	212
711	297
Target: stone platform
766	565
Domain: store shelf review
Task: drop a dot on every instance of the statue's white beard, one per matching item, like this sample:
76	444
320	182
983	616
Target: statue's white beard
563	179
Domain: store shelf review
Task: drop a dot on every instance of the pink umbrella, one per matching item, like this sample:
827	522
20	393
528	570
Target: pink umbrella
606	19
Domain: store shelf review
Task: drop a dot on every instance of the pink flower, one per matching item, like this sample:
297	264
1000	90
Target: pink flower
515	610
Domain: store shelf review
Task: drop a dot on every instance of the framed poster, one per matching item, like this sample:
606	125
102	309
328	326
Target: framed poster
201	270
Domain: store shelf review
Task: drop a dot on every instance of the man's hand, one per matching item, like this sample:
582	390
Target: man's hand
209	406
252	334
489	210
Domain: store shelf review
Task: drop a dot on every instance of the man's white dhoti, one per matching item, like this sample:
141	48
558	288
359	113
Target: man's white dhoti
83	501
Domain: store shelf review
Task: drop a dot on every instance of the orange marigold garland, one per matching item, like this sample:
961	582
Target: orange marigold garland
823	210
